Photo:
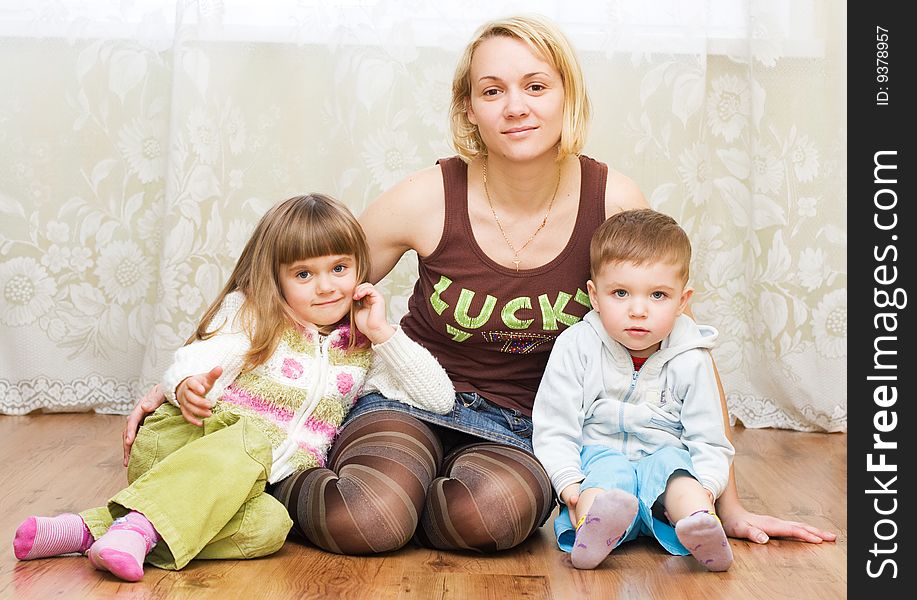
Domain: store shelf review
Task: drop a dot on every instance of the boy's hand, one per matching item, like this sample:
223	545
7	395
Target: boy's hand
191	395
570	496
369	315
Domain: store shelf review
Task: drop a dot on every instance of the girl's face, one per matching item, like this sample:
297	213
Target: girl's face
319	290
517	99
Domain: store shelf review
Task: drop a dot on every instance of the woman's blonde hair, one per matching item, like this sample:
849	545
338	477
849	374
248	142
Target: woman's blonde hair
546	40
299	228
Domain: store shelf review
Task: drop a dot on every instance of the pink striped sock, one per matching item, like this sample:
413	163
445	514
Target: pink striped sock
124	547
41	537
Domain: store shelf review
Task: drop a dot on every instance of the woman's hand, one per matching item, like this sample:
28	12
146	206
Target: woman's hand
152	400
739	523
369	315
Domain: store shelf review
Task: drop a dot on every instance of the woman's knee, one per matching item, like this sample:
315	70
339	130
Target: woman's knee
492	498
360	511
370	500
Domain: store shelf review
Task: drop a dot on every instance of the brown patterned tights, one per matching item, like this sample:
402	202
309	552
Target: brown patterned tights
386	474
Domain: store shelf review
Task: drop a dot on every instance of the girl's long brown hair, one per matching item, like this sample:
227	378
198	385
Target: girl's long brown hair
299	228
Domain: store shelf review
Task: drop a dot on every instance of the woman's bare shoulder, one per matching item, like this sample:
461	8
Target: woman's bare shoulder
416	193
409	215
622	193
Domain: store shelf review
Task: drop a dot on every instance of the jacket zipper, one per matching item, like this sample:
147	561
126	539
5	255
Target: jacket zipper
322	361
630	392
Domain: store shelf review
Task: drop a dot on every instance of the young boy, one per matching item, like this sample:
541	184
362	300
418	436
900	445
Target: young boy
627	419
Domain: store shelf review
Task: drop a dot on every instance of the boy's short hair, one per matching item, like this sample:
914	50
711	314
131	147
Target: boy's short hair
640	236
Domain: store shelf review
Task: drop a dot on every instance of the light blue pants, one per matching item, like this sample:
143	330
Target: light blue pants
645	478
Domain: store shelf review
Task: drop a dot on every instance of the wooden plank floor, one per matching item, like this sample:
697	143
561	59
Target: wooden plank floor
68	462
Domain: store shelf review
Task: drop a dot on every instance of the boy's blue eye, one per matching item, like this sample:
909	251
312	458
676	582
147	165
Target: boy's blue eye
658	295
620	293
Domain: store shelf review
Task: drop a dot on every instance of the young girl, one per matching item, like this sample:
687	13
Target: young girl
257	394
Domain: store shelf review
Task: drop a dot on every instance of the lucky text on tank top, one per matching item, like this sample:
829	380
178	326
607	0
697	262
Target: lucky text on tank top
542	313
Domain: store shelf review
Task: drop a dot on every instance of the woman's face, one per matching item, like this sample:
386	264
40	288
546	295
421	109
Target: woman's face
517	99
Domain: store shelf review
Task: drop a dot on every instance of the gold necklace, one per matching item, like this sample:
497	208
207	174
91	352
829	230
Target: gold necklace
544	221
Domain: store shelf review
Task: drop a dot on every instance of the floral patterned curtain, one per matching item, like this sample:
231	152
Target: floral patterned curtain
141	141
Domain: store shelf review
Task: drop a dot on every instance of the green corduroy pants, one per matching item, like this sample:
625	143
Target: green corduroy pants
202	488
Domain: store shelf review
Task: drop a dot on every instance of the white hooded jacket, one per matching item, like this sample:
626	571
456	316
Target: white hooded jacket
591	395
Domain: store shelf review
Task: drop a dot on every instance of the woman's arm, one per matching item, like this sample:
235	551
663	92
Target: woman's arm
409	216
739	522
622	193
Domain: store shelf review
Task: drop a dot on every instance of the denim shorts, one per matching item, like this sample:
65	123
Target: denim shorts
471	414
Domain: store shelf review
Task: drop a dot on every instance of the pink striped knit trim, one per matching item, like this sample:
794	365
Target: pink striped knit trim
317	454
320	457
322	428
277	414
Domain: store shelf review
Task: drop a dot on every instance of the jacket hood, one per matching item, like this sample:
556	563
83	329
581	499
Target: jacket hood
686	335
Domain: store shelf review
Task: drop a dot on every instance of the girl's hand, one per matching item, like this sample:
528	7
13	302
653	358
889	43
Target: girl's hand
152	400
369	314
190	395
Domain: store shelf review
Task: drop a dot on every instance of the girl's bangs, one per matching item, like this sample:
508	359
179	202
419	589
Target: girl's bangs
307	239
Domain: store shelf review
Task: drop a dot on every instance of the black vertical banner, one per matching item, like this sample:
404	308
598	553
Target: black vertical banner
882	167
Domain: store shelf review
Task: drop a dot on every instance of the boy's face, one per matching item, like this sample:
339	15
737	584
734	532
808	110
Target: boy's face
638	305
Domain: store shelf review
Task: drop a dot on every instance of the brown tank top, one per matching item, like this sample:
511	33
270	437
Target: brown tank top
489	326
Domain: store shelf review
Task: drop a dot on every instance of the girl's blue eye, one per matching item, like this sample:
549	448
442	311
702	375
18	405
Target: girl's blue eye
303	274
339	268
